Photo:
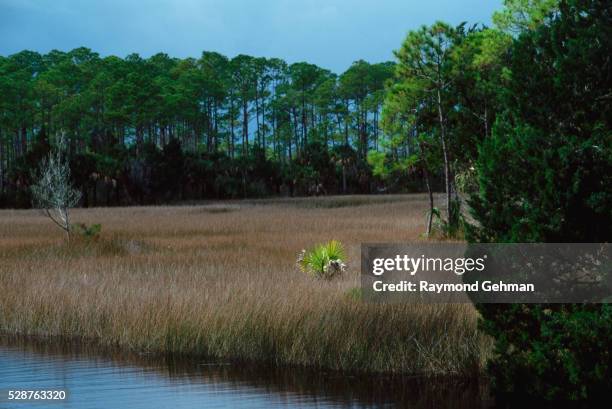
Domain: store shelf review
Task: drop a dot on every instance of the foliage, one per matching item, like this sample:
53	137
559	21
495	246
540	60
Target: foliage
544	176
522	15
441	105
467	181
550	353
323	260
445	230
425	69
163	129
90	232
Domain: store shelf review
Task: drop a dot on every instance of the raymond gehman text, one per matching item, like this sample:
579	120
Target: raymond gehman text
438	288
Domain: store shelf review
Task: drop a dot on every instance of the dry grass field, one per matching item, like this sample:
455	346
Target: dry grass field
220	280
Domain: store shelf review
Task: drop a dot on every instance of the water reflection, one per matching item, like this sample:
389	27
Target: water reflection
110	379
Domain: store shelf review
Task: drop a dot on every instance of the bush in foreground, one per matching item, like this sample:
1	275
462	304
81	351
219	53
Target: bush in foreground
323	260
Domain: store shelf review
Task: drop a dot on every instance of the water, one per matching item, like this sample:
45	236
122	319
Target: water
96	379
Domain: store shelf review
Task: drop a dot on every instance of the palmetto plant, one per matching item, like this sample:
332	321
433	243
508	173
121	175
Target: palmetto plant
323	260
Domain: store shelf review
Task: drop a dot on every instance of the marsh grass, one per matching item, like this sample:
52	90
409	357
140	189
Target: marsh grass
185	281
332	202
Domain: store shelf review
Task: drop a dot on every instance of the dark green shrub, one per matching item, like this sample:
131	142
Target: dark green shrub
455	229
91	232
544	176
550	353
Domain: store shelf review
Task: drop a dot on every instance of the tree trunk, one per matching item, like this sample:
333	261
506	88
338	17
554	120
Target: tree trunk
263	119
232	133
343	176
245	128
486	121
215	141
304	130
257	119
431	201
295	130
2	156
447	175
24	140
346	131
67	221
429	191
138	140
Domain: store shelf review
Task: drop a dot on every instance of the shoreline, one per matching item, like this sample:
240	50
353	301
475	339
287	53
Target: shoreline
58	344
318	386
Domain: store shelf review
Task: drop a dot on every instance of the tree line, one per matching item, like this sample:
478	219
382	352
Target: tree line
161	129
147	130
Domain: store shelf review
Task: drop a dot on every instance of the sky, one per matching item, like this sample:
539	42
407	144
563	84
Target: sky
329	33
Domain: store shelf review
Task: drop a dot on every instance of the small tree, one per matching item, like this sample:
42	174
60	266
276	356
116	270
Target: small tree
52	190
401	119
424	69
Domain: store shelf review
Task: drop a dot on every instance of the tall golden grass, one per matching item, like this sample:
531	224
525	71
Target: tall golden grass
220	280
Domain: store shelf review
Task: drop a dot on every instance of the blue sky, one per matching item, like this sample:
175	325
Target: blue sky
329	33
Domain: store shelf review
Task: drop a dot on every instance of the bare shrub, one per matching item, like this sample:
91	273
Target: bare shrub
52	190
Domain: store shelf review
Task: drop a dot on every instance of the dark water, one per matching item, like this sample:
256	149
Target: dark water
102	379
